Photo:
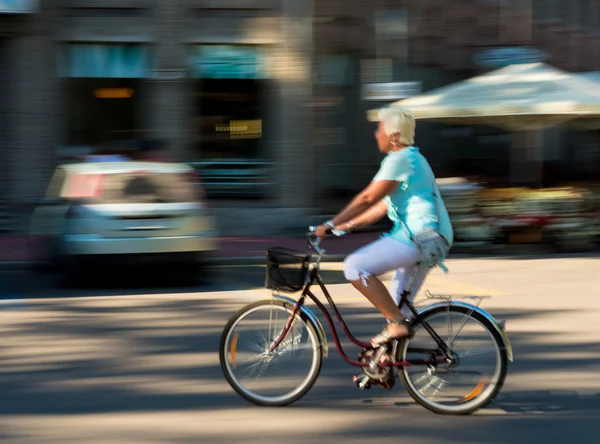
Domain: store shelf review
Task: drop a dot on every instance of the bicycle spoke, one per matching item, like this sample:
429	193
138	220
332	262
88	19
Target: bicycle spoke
302	347
480	352
261	366
432	384
460	372
449	329
260	340
461	327
253	359
422	378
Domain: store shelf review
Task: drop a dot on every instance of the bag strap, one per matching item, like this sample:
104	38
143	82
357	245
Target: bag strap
436	195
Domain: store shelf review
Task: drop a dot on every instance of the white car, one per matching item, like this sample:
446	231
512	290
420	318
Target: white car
125	211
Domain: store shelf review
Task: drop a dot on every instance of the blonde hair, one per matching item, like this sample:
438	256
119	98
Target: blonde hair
397	119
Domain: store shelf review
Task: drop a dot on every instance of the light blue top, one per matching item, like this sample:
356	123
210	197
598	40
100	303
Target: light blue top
414	201
107	158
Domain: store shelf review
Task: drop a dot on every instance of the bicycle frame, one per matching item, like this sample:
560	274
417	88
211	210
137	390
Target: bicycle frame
314	276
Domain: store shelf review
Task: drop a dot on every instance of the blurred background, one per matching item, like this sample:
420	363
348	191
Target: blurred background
261	108
182	132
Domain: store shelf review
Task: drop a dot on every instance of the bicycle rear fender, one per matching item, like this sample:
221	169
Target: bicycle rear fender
313	319
497	325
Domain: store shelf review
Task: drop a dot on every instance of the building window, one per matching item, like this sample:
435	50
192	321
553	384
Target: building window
104	85
101	111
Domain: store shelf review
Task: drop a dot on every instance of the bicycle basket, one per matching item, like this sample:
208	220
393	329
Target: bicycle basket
286	269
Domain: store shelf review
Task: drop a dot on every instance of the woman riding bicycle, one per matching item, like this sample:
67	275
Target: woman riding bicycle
405	189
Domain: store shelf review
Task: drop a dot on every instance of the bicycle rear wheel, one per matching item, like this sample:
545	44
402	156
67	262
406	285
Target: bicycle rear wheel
270	378
476	376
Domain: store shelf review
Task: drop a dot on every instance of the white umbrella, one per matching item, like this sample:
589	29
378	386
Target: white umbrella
586	122
518	97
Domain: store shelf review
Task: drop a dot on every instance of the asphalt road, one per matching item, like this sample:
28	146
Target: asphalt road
134	360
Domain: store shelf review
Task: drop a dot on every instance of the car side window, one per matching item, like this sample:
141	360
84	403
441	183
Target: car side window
56	184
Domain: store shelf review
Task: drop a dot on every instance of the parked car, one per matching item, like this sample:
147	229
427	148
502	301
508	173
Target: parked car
125	212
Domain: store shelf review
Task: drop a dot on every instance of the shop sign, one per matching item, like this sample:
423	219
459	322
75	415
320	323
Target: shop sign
19	6
501	57
228	62
104	61
241	129
390	91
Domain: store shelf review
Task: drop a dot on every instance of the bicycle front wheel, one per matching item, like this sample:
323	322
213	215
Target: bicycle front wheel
272	378
476	373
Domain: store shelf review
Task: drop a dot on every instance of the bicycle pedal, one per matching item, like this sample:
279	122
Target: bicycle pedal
363	382
388	383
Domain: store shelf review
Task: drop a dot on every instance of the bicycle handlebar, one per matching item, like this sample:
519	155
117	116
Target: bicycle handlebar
314	241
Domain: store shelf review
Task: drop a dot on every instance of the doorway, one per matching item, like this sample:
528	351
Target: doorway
230	147
102	112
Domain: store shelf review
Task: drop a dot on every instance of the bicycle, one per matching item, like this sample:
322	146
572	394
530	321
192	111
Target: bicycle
290	327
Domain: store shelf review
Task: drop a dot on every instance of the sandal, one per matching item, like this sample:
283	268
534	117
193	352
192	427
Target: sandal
384	337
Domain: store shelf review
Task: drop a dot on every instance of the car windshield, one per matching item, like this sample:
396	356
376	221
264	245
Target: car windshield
130	187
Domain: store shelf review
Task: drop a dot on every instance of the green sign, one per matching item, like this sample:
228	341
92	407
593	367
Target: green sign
227	62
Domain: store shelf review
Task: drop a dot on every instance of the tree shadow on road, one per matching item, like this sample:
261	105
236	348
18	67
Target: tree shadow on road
161	355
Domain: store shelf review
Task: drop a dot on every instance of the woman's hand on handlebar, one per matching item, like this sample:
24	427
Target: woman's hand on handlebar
323	231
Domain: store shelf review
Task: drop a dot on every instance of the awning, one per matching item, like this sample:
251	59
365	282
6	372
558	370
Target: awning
518	97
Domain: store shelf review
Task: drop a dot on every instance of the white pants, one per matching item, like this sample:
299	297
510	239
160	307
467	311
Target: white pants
383	255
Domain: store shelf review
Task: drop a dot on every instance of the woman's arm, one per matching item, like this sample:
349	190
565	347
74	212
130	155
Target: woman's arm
369	217
367	198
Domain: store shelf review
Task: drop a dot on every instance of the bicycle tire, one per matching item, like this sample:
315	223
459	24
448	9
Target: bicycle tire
313	373
469	407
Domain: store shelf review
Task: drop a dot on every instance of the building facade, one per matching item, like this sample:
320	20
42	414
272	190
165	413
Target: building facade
277	84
